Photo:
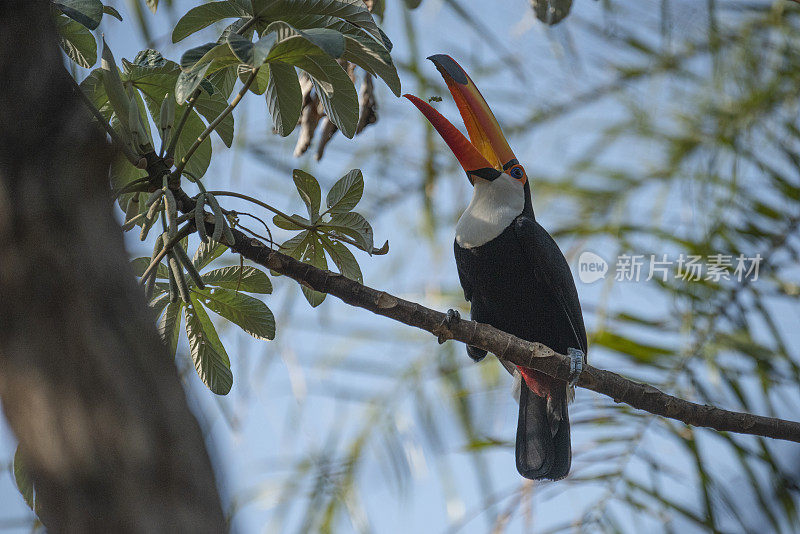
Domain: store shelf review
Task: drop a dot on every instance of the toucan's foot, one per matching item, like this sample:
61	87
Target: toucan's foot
475	353
450	318
575	365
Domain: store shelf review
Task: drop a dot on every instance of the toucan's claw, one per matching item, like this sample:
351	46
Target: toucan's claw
475	353
576	357
445	329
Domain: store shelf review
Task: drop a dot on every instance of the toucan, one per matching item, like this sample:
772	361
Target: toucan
513	273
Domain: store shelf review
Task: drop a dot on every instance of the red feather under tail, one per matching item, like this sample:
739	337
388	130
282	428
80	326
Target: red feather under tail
540	383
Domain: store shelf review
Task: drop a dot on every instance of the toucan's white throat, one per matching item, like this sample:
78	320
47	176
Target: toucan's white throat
493	207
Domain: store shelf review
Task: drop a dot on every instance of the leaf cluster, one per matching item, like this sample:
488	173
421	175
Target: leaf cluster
326	233
312	36
224	293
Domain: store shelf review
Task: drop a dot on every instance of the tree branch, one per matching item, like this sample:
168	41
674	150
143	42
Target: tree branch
506	346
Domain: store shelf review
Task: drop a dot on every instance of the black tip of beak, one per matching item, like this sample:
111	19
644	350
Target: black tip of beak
447	64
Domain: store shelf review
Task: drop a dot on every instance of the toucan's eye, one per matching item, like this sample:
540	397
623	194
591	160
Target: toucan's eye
517	172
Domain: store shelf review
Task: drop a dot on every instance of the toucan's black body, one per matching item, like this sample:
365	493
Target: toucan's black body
520	283
512	271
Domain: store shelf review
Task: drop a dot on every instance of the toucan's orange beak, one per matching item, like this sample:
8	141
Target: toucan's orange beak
487	152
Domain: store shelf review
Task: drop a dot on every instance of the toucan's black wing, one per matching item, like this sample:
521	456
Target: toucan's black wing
474	352
552	269
547	453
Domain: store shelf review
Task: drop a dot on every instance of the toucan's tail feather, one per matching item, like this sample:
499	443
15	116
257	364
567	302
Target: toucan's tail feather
543	448
561	439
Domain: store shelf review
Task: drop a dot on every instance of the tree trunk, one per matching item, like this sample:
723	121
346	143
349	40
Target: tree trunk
85	383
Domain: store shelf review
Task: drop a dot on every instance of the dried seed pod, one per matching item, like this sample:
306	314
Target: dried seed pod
131	212
150	283
200	217
155	195
219	218
183	258
149	220
177	273
113	86
172	211
173	287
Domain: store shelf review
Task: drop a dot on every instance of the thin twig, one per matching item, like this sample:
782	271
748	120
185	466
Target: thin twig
289	218
213	124
183	232
173	142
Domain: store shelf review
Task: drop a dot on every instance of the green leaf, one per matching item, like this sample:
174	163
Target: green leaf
286	224
412	4
200	160
310	192
236	27
223	80
292	44
187	82
329	41
109	10
159	304
192	57
206	253
262	48
241	47
169	326
295	246
210	107
244	278
292	40
346	193
23	481
284	97
140	264
92	86
373	58
156	77
260	84
150	58
209	356
215	55
335	90
142	106
198	62
204	15
152	4
343	259
121	173
353	11
77	42
86	12
249	313
315	255
353	225
308	21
